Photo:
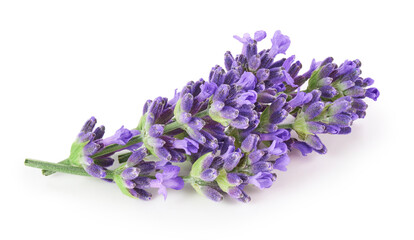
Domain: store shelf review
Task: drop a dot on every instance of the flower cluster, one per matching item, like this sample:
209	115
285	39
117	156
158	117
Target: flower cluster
235	129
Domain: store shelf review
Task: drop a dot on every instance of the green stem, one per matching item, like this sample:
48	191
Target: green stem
57	167
49	172
172	126
202	113
284	126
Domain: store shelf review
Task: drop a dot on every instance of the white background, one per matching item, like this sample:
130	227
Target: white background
64	61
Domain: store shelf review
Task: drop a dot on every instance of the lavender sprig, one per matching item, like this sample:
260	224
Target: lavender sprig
236	129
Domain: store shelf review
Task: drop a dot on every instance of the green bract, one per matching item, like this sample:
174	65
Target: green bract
76	153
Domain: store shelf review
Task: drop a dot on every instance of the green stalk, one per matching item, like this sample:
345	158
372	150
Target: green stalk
284	126
49	172
57	167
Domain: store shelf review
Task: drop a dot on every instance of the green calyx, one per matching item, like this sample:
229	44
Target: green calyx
223	182
216	117
264	119
197	167
313	80
120	181
301	127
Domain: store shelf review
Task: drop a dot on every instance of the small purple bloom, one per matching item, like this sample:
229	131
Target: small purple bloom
121	137
372	93
167	179
262	180
280	43
281	162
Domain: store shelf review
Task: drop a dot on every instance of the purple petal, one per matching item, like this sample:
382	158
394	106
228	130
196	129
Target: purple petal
372	93
176	183
281	163
187	102
141	194
170	171
188	145
314	110
156	130
304	148
89	125
130	173
212	193
250	143
247	81
137	157
209	174
259	35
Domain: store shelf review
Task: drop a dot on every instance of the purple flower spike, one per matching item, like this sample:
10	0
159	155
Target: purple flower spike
235	129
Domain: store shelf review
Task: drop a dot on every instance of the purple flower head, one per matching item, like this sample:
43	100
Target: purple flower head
167	179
